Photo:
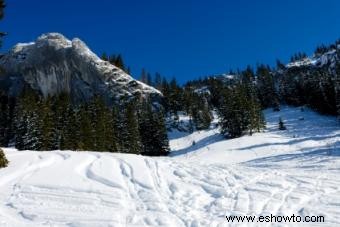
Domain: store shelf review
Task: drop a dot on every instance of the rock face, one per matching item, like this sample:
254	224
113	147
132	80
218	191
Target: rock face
53	64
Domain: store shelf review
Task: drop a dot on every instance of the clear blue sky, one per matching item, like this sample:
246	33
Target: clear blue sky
181	38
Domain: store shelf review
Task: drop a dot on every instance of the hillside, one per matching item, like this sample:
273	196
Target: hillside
276	172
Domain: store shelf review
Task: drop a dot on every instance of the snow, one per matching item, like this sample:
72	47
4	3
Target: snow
202	91
303	62
329	56
276	172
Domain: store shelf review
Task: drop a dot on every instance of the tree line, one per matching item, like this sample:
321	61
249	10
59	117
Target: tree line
32	122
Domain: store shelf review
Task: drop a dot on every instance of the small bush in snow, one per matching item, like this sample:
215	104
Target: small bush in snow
282	125
3	160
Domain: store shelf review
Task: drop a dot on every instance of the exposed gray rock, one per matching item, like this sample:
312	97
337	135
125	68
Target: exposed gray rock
53	64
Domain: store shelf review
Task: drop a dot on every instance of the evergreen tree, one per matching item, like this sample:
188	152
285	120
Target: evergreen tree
70	133
133	136
28	122
144	76
112	134
266	87
47	118
200	112
86	130
153	131
240	112
119	62
158	81
4	120
104	57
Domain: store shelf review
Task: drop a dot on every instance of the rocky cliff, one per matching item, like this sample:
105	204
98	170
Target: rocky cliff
53	64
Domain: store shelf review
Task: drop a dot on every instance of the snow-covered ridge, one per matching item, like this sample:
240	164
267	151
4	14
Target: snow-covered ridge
55	64
328	57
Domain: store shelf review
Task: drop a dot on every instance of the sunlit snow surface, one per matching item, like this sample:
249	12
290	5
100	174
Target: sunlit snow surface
277	172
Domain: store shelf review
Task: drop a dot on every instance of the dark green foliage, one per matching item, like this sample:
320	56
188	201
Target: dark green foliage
6	116
3	160
54	123
315	88
266	87
200	112
116	60
133	140
240	111
153	131
298	56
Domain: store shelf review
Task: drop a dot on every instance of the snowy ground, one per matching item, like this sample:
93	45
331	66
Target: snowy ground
277	172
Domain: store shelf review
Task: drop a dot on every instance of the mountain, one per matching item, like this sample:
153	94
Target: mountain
314	81
54	64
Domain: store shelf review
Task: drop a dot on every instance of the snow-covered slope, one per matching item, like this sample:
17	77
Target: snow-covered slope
277	172
53	64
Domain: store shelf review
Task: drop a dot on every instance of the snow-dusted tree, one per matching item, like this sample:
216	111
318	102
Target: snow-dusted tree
240	111
200	112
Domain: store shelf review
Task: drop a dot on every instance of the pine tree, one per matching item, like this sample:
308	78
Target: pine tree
86	129
104	57
28	122
33	139
133	135
4	120
144	76
200	112
119	62
153	131
71	133
112	133
47	118
266	87
240	111
158	81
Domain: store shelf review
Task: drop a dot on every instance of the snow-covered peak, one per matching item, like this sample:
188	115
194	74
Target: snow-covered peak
56	40
81	48
54	64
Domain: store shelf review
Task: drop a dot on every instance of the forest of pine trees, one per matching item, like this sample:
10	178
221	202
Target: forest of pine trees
53	123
